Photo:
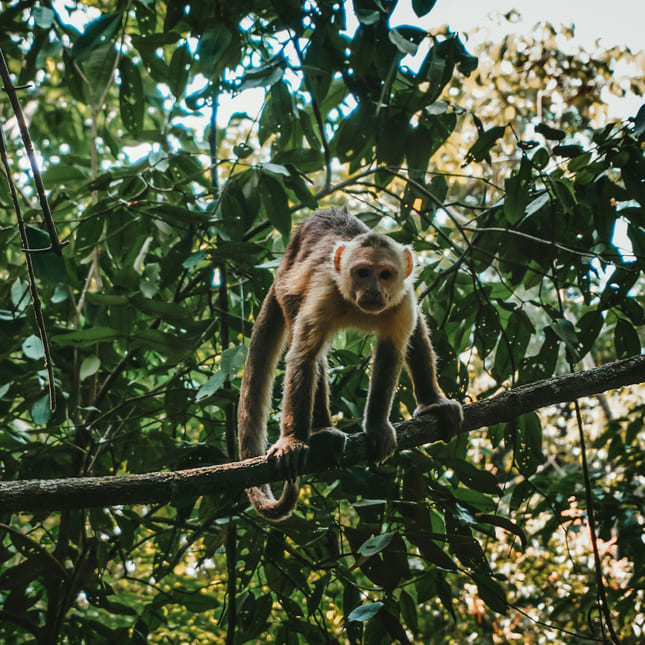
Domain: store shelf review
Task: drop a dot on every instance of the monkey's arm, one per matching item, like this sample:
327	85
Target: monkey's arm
385	375
421	363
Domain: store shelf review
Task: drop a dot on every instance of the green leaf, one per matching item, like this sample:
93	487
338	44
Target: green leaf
506	524
211	386
276	169
516	197
178	71
40	412
423	7
565	193
97	33
537	203
49	266
365	612
541	365
549	133
566	332
89	367
526	442
33	348
99	67
567	151
639	123
626	339
150	280
243	150
367	17
491	592
298	185
213	45
20	296
233	359
481	480
405	46
277	115
579	162
266	75
313	601
305	160
588	329
275	204
131	101
431	552
481	148
43	16
540	158
170	345
487	330
87	337
375	544
511	347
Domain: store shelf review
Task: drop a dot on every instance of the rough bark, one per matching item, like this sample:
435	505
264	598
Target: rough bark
163	487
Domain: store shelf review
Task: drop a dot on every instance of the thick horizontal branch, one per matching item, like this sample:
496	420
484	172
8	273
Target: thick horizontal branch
163	487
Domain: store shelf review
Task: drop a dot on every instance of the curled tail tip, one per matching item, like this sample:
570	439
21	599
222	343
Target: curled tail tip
270	508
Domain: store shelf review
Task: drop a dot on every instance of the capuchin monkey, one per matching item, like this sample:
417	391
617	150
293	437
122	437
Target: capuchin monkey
336	273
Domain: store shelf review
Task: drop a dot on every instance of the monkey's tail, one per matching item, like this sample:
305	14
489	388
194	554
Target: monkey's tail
271	508
267	340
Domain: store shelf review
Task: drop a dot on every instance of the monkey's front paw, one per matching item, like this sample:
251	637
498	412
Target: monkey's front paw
449	413
327	446
289	454
381	443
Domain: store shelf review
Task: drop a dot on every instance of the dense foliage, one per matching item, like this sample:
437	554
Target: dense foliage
177	197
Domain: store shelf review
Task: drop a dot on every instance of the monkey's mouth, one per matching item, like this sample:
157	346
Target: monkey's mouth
370	306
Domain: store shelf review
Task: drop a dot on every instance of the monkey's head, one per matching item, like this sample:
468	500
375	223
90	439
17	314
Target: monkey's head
371	271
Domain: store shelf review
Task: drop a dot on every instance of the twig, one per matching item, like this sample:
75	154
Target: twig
55	244
35	298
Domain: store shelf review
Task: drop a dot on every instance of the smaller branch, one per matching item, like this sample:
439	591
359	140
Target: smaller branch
10	90
593	533
35	298
532	238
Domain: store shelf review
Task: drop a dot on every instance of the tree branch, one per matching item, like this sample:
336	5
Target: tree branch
163	487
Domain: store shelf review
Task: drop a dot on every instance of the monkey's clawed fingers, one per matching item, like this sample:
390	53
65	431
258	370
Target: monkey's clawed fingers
290	455
381	443
449	410
449	413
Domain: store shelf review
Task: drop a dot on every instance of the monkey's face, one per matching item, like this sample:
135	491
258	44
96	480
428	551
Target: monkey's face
372	278
373	285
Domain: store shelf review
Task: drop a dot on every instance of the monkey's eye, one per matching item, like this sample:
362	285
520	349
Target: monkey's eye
385	274
363	272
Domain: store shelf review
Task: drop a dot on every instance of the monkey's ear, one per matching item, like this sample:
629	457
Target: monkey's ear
409	261
338	252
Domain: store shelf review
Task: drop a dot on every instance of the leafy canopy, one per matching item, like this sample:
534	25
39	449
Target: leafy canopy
532	240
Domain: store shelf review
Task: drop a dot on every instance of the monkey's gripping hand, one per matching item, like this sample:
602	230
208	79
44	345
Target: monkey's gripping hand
448	413
381	442
327	447
290	455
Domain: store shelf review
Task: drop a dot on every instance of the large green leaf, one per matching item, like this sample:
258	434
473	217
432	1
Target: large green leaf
480	150
131	96
97	33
